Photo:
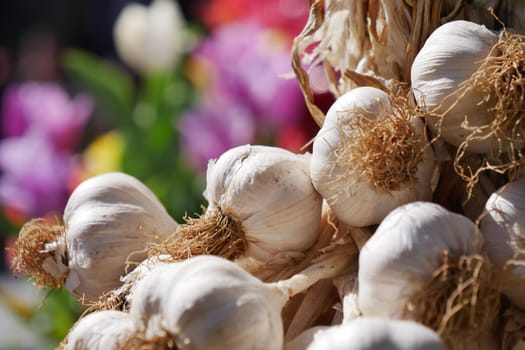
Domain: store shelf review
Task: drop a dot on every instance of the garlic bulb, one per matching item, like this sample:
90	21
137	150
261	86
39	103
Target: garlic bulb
208	302
102	330
503	227
109	220
374	333
370	156
470	80
427	264
150	38
261	203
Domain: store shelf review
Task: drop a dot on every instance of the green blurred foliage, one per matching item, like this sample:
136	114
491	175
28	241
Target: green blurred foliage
145	110
58	312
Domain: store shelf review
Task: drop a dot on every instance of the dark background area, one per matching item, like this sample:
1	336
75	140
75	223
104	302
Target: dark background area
82	23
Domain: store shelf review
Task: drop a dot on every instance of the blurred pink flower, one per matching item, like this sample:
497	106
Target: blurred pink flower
35	174
247	63
45	106
245	94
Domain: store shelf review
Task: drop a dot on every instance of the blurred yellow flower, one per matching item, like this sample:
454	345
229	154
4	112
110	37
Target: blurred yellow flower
104	154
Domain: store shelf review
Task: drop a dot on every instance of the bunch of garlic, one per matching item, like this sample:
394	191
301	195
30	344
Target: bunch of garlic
261	204
427	264
370	156
109	220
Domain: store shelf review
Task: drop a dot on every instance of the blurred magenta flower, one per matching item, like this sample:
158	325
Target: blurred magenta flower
247	62
35	174
45	106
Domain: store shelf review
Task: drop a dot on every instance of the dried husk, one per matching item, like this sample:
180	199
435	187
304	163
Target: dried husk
373	42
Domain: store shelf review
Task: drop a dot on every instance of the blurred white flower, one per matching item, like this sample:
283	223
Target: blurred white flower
150	38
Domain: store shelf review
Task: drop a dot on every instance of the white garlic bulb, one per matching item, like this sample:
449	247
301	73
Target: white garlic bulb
427	264
102	330
503	227
368	160
467	76
109	220
150	38
261	203
374	333
208	302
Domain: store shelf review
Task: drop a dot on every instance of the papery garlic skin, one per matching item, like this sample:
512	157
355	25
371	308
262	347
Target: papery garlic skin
102	330
450	55
405	250
374	333
109	219
268	191
150	38
207	302
360	203
503	227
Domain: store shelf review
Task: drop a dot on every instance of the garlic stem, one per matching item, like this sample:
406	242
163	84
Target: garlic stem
327	267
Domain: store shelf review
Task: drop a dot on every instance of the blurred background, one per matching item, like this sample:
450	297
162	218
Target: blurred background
151	88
